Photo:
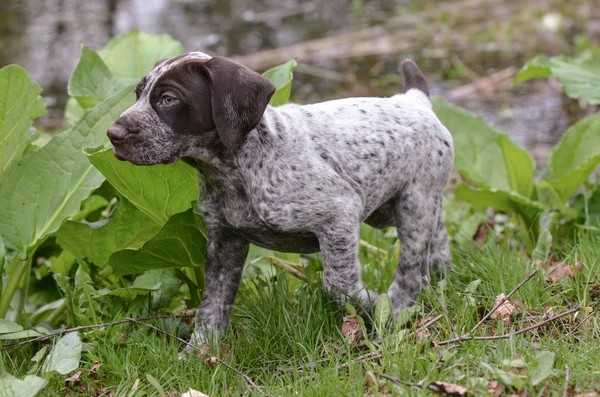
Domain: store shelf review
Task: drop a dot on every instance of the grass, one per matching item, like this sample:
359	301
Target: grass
287	336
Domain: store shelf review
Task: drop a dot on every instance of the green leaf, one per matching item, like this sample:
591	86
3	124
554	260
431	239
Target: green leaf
28	333
159	191
73	110
62	263
127	227
281	77
536	68
20	104
180	243
472	287
575	157
383	310
7	327
509	202
133	54
483	154
541	368
406	314
542	248
64	356
13	387
49	184
86	306
156	384
169	285
92	82
579	76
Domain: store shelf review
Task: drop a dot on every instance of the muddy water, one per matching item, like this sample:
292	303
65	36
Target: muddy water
455	42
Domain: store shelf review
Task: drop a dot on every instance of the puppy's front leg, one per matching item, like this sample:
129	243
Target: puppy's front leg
342	270
223	267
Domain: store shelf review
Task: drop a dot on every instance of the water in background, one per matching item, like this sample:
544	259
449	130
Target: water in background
344	47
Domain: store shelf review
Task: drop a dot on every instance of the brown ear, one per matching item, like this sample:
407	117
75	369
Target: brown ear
239	98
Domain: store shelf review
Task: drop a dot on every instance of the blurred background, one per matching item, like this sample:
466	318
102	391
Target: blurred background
468	49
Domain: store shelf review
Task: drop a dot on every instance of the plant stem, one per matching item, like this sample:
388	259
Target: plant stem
23	295
21	266
199	273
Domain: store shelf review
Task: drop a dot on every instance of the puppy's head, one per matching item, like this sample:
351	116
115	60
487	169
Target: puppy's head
184	103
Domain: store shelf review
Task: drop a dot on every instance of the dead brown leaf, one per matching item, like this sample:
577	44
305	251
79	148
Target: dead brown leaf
481	234
448	388
102	392
558	272
423	334
505	309
74	378
122	339
592	394
351	329
211	361
495	388
193	393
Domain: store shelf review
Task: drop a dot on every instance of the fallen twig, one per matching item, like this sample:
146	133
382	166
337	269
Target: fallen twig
442	305
400	382
508	335
178	339
567	380
578	325
287	266
93	326
522	283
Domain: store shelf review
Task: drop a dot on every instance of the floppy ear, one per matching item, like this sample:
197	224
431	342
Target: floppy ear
239	98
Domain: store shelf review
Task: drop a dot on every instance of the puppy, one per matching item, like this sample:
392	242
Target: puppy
295	178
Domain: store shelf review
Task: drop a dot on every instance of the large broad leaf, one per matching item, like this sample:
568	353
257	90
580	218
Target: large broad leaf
575	157
509	202
13	387
49	184
64	356
281	77
127	227
125	58
92	82
180	243
580	76
7	327
134	54
159	191
483	154
541	368
20	104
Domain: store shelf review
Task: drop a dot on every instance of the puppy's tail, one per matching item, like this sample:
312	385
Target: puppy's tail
414	80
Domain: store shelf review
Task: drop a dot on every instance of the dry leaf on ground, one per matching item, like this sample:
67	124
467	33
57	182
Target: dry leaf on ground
74	378
556	271
194	393
505	310
351	329
495	388
592	394
448	388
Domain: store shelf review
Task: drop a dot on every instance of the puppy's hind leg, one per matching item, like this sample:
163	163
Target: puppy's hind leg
440	258
416	218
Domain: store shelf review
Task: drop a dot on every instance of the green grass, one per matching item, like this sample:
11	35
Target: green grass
289	339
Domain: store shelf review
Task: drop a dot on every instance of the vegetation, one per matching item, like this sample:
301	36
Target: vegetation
87	240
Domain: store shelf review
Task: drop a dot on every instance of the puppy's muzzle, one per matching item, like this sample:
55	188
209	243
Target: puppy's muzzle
116	134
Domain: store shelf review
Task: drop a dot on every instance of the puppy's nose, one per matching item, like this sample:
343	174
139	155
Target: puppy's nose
116	133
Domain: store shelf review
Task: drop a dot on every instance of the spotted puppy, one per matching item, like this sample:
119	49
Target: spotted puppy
295	178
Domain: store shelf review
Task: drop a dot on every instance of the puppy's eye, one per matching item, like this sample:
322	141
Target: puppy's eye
167	100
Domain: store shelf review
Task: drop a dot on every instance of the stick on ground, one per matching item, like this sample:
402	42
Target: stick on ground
522	283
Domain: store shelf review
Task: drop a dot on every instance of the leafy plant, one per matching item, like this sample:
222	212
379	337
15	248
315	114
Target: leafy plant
112	218
504	172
